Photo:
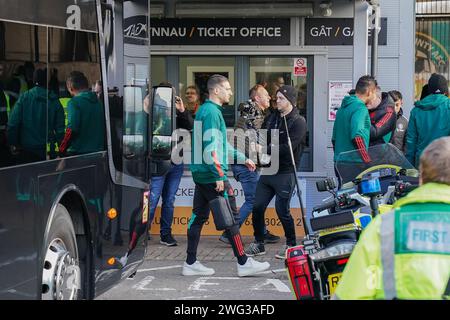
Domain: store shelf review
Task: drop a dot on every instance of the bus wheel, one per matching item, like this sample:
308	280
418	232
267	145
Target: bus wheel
61	274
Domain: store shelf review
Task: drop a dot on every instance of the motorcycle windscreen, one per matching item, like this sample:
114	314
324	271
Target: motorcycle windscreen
350	165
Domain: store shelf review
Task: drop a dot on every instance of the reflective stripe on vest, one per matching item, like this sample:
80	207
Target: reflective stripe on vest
65	102
8	106
387	235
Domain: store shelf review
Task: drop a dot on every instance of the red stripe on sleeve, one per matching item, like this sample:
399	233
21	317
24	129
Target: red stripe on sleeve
216	162
385	119
66	140
362	149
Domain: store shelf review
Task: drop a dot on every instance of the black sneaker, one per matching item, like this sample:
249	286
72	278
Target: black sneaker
168	240
271	238
255	249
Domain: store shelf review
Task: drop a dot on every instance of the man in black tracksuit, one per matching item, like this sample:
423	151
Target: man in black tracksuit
282	183
383	118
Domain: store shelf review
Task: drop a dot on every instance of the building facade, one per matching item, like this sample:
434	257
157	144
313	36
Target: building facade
320	47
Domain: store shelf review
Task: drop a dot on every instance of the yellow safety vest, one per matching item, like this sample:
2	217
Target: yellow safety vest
65	102
405	253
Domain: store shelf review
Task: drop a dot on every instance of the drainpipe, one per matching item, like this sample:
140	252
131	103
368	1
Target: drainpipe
375	23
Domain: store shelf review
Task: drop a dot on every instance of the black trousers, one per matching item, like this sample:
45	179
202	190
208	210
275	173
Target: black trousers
281	186
202	195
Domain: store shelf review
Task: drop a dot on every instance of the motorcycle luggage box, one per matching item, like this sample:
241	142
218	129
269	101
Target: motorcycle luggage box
332	220
299	273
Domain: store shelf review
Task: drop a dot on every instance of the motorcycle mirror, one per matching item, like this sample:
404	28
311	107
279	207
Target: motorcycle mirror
328	184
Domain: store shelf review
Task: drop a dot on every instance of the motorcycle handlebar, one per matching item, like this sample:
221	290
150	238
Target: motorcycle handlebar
324	206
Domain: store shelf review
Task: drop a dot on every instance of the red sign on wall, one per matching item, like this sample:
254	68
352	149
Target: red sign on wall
300	68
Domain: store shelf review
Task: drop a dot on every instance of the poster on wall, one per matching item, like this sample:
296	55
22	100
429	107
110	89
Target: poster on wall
337	90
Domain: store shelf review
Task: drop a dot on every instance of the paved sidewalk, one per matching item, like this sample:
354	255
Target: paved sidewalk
209	249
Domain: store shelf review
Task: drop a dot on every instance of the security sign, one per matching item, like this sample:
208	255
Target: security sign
300	68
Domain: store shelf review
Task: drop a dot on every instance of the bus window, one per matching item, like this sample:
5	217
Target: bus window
27	118
75	55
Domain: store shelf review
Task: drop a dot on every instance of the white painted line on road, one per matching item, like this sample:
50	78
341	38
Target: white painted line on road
160	268
202	282
192	297
272	271
279	286
145	282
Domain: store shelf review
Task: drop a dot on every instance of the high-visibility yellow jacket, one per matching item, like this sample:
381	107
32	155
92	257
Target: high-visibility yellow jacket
403	254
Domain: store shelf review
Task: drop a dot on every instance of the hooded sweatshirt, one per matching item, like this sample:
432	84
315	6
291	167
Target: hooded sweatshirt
30	125
429	120
383	121
210	148
86	125
351	129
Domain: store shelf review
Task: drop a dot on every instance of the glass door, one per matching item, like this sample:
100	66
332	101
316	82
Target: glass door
195	71
274	72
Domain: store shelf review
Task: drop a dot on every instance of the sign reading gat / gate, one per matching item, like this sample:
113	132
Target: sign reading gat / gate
336	32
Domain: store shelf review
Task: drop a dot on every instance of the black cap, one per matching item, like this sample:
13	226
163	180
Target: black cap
437	84
290	93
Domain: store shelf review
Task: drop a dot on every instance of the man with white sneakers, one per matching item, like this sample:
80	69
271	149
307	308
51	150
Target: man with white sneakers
209	171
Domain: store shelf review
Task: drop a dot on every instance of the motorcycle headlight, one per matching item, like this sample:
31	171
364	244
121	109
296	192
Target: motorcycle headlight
336	251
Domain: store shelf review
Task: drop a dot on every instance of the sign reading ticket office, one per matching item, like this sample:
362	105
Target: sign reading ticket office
211	31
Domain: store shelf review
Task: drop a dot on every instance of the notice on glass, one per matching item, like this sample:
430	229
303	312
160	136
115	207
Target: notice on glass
300	67
337	90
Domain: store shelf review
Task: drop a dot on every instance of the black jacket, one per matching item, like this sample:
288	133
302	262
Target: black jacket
297	131
185	120
398	138
383	119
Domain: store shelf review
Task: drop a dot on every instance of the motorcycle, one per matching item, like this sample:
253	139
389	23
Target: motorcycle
368	189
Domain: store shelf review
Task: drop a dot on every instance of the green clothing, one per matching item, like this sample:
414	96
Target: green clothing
414	240
352	120
31	123
210	158
86	120
429	120
65	102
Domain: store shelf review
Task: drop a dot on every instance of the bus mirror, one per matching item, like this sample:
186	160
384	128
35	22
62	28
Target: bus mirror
162	106
161	122
161	147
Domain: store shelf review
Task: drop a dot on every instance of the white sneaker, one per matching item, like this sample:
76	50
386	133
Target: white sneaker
251	267
196	269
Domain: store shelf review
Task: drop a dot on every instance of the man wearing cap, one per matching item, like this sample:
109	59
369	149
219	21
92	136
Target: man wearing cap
282	183
429	119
